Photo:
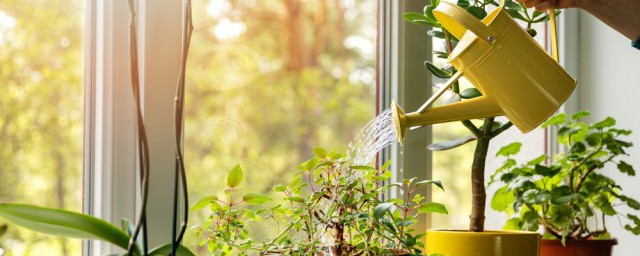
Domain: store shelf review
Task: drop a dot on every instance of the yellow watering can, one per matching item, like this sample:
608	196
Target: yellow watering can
516	77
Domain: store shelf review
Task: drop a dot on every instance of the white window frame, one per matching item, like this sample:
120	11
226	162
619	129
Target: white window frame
110	164
402	49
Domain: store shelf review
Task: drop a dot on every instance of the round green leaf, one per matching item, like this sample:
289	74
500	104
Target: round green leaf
204	202
381	209
470	93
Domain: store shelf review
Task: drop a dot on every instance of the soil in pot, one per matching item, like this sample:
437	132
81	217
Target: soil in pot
577	247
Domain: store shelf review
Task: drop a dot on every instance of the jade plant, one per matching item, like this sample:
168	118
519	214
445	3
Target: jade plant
488	128
330	208
571	196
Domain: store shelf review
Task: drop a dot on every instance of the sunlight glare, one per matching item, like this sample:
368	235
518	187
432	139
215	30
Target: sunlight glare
227	29
6	23
218	8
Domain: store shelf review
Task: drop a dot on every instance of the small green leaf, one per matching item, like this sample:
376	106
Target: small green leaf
440	146
320	152
580	114
280	188
516	15
594	139
545	171
234	178
478	12
470	93
630	202
555	120
362	168
296	199
256	199
204	202
438	34
578	148
380	210
431	207
537	160
624	167
502	199
420	19
510	149
434	182
513	224
437	71
602	202
607	122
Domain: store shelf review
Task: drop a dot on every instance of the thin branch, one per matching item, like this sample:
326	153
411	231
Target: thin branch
501	129
476	132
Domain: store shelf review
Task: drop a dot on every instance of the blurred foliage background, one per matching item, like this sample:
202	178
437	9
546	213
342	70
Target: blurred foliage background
41	115
268	81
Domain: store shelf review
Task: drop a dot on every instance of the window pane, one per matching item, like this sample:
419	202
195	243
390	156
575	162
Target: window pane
41	115
268	81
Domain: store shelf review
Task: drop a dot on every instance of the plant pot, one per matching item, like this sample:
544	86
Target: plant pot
488	243
577	247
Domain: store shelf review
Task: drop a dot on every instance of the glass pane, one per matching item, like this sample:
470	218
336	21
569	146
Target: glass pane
41	115
268	81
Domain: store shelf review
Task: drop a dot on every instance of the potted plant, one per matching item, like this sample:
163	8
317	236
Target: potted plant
330	208
475	241
571	196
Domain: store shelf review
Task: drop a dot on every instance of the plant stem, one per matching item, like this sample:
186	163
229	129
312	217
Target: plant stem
479	194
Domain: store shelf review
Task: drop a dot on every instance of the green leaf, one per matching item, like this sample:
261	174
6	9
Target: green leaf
537	160
602	202
502	199
431	207
578	148
234	178
476	11
440	146
380	210
204	202
555	120
279	188
362	168
165	250
562	195
434	182
470	93
513	224
510	149
437	71
256	199
624	167
545	171
559	215
516	15
530	221
630	202
129	228
420	19
594	139
320	152
296	199
438	34
580	114
63	223
607	122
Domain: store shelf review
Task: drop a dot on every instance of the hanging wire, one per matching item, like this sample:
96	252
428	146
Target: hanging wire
178	114
142	143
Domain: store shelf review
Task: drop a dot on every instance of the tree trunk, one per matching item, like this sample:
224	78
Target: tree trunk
294	37
479	195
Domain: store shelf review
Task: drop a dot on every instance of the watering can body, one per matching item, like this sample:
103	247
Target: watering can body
517	78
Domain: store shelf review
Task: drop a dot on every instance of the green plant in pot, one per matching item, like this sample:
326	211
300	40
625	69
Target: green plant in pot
572	195
330	208
475	241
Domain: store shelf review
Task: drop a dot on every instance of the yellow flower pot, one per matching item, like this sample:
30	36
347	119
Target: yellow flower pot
488	243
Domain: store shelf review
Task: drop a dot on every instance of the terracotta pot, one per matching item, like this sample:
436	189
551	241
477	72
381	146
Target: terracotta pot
488	243
577	247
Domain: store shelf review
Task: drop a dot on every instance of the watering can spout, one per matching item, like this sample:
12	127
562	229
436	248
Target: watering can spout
479	107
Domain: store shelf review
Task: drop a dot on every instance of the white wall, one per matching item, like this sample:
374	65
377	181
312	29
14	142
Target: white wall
609	85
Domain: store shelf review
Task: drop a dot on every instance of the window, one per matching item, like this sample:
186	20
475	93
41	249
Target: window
268	81
41	115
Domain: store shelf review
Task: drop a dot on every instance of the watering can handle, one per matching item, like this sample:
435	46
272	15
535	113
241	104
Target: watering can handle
457	21
554	35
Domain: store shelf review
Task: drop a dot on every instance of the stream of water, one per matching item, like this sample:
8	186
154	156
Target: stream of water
376	135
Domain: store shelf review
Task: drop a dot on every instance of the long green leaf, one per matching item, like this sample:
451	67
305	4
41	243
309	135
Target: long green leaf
63	223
